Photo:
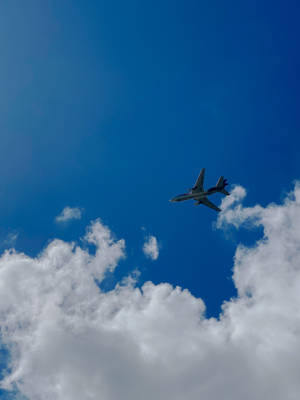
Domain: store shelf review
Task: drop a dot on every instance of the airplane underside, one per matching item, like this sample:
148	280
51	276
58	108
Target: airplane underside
200	195
201	199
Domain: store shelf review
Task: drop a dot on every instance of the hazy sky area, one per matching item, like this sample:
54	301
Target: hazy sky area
108	110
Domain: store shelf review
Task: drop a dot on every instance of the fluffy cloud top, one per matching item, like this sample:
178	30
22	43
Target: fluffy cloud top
68	340
69	213
151	248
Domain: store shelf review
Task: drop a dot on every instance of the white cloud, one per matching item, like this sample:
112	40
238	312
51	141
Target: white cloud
233	213
10	240
68	340
69	213
151	248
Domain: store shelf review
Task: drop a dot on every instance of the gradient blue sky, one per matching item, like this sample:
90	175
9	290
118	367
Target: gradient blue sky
116	106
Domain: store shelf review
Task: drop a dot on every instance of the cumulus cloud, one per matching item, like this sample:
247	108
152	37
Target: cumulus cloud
234	214
151	248
69	213
69	340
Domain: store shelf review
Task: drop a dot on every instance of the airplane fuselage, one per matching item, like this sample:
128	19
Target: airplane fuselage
195	195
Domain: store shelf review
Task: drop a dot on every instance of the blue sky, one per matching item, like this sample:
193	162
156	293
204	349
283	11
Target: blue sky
116	107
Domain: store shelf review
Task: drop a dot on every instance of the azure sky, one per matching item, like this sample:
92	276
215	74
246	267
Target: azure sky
115	107
109	109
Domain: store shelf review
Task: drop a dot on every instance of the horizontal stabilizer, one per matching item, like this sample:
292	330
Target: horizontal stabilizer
220	182
225	192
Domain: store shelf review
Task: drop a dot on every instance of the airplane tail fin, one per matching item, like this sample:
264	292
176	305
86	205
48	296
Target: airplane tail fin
221	185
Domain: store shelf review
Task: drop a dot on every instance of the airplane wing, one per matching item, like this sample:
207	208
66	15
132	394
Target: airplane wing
209	204
199	182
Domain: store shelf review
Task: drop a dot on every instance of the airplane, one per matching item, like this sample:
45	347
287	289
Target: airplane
200	195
